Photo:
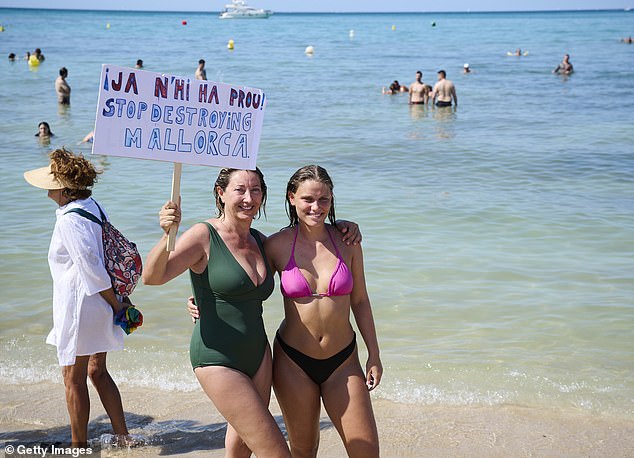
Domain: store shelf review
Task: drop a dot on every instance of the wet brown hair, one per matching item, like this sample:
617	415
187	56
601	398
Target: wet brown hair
74	172
223	181
306	173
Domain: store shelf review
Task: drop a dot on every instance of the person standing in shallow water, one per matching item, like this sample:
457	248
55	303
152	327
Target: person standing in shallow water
444	91
418	93
564	67
201	73
84	302
62	88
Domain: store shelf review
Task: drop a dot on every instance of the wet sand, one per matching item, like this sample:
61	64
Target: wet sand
187	424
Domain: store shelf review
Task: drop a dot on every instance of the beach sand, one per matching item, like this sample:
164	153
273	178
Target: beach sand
187	424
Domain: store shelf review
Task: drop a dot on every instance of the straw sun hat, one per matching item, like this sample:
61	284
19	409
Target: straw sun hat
43	178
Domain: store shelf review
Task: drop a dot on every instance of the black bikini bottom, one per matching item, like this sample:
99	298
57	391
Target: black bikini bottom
319	370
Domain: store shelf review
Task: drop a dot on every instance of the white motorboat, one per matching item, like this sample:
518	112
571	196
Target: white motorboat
238	9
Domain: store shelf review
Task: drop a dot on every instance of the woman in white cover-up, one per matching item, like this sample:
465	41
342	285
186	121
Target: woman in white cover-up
84	302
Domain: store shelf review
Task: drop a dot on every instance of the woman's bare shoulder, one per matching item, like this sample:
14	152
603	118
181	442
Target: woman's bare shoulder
198	233
200	227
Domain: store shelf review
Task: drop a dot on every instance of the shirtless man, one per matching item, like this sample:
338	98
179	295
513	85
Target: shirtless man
201	73
418	93
565	67
444	91
62	88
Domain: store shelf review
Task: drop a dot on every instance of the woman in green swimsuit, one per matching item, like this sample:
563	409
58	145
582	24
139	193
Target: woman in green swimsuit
231	278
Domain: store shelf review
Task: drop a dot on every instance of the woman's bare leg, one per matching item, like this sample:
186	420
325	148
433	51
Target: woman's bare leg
77	399
347	401
108	392
243	402
299	400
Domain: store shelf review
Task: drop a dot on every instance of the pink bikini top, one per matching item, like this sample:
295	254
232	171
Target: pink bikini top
295	285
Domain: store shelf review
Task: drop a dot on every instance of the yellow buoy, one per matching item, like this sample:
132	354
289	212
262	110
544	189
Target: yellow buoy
108	25
309	50
34	61
230	44
393	27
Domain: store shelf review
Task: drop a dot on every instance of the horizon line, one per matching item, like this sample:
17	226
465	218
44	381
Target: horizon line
580	10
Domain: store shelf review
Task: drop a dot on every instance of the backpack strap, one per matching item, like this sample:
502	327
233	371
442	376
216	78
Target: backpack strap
85	214
103	217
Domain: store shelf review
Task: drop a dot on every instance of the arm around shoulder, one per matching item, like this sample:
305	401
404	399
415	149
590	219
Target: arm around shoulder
274	248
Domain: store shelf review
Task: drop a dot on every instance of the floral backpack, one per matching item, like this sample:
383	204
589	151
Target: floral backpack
122	259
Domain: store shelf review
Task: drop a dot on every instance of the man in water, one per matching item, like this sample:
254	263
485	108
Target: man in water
565	67
62	88
201	73
444	91
418	93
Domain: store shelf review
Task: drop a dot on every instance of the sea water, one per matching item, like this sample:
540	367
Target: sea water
498	236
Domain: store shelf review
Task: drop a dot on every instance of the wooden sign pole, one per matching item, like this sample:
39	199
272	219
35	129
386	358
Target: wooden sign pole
176	191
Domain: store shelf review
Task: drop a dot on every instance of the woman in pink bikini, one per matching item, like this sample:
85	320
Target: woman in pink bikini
315	351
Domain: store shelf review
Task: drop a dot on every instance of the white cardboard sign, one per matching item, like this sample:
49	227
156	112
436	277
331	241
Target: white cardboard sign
149	115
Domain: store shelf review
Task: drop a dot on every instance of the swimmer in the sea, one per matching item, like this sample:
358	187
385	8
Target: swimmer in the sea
44	133
565	67
89	137
395	88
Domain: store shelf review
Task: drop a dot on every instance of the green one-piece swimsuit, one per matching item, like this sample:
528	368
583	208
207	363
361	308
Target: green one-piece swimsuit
230	331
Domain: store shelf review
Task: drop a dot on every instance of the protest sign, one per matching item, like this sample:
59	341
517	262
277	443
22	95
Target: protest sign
147	115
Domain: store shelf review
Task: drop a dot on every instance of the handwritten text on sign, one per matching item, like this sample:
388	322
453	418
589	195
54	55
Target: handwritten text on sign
150	115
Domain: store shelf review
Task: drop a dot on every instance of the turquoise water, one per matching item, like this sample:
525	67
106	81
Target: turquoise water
498	237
